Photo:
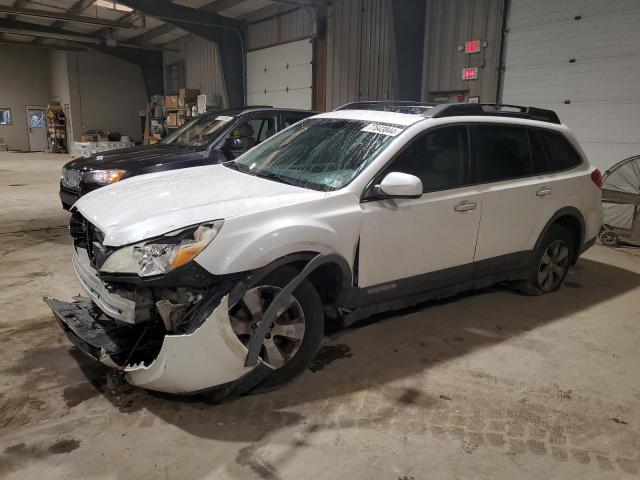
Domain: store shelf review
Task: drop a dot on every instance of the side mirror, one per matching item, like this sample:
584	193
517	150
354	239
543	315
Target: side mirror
233	145
400	185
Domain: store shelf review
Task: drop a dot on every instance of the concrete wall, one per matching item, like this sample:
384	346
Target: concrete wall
24	80
97	91
106	93
59	87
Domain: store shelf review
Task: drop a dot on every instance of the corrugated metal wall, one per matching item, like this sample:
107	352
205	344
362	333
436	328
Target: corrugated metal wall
277	24
449	24
203	69
359	52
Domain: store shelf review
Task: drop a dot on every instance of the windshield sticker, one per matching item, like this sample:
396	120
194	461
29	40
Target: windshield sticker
382	129
224	118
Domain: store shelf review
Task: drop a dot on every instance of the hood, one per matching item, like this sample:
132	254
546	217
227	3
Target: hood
135	157
150	205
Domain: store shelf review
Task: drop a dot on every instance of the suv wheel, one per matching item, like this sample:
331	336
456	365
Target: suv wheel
294	337
551	262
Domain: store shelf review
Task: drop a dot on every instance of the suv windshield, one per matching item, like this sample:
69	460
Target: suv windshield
320	153
198	132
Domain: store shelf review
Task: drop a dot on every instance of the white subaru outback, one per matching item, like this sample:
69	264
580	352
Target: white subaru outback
222	277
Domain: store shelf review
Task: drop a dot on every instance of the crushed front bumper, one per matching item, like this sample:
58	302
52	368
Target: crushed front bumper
207	358
113	305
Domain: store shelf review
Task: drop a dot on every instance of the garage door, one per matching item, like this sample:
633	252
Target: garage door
281	76
580	58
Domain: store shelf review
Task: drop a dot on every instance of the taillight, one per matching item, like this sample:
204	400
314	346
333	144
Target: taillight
596	176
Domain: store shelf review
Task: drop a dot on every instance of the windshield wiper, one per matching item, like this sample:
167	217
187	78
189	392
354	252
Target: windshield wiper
278	178
238	166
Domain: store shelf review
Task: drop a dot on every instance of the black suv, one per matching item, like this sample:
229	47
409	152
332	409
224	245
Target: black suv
210	138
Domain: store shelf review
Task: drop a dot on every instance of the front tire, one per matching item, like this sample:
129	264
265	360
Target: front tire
294	337
551	262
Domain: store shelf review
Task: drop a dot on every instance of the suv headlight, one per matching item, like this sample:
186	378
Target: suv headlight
163	254
103	177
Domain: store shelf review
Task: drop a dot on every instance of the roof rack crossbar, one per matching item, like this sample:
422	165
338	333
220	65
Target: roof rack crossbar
493	109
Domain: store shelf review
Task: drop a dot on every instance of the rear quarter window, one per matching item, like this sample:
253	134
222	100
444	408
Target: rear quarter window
561	154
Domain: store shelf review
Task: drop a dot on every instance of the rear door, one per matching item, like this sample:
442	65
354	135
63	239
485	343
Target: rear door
517	195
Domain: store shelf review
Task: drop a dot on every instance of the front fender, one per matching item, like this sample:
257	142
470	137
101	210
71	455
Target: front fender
249	243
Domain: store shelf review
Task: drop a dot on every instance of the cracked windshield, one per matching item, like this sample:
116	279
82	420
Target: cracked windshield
320	154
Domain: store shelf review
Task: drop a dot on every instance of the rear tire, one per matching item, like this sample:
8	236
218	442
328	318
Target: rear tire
551	262
308	301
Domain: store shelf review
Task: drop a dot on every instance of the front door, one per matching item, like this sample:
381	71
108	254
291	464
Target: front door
37	128
430	241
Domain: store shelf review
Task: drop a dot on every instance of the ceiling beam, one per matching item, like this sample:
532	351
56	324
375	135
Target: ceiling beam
213	7
16	27
226	32
57	36
48	45
63	16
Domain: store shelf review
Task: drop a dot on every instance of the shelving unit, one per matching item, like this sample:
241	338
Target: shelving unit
56	129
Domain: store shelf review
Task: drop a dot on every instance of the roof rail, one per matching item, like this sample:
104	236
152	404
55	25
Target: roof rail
398	106
493	109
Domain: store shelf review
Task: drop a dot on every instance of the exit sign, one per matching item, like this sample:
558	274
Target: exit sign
472	46
470	73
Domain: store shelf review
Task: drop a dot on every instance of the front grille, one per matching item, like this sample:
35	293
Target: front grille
87	236
71	178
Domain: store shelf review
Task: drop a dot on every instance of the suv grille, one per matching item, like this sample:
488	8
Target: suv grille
71	178
87	236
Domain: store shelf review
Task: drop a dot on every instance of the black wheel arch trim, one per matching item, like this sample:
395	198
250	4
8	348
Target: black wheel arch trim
564	212
269	315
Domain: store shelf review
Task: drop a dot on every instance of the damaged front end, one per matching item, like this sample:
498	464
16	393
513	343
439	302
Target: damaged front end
169	333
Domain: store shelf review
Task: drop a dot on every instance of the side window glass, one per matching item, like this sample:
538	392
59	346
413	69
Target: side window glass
260	128
502	152
562	154
539	159
439	158
291	119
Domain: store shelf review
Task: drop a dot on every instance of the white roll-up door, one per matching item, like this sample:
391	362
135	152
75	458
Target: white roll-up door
281	76
580	58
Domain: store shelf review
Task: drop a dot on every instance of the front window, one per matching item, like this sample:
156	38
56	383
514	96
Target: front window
198	132
321	153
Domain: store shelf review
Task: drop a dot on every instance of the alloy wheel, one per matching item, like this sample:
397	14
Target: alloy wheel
553	265
286	332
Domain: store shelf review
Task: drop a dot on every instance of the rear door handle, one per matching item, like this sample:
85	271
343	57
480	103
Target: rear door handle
544	192
465	206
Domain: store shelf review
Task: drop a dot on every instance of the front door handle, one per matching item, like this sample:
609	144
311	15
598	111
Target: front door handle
465	206
544	192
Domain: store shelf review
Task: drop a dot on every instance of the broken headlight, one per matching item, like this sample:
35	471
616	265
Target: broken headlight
163	254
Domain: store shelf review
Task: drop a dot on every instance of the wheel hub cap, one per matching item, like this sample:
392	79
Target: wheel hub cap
553	265
285	334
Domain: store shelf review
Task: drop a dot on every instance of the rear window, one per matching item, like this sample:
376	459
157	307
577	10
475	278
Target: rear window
560	151
502	152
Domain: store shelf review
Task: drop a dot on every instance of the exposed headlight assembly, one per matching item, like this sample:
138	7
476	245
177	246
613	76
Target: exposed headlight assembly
103	177
163	254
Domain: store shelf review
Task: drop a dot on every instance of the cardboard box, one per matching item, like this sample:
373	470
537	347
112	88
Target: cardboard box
157	112
3	147
172	119
171	101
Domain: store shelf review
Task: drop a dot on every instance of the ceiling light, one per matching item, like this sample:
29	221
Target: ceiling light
111	5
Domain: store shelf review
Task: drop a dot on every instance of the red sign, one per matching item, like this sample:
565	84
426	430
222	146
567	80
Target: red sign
472	46
470	73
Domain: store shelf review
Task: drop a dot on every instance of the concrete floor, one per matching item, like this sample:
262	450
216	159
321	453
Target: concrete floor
489	385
